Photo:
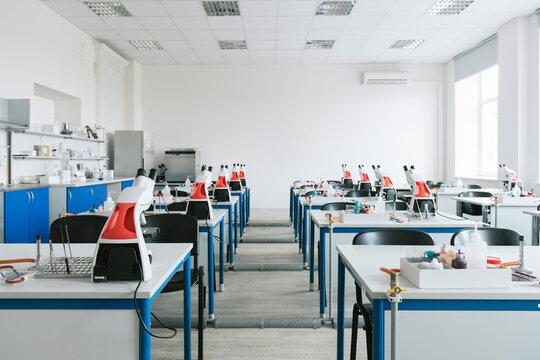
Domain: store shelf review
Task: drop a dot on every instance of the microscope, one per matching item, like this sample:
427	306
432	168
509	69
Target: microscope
509	179
198	203
364	184
221	190
421	201
384	184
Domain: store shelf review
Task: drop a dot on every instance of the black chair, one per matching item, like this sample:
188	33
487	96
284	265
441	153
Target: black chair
379	237
430	184
400	206
180	228
492	236
336	206
354	193
337	187
473	186
471	209
179	193
177	206
80	228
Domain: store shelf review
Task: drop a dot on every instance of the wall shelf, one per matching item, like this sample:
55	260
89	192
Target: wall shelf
23	157
38	133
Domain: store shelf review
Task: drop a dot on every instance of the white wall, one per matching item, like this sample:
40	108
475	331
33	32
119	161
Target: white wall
288	122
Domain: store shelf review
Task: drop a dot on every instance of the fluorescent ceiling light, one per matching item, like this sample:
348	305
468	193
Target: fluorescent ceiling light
333	8
319	44
107	8
146	44
221	8
232	44
406	44
449	7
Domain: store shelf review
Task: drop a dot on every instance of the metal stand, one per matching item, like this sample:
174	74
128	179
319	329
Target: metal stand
394	297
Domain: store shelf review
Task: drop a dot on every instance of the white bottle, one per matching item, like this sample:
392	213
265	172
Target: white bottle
459	183
476	252
108	206
188	182
166	192
380	206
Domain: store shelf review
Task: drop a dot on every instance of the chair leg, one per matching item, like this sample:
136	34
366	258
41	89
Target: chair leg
354	332
201	313
369	341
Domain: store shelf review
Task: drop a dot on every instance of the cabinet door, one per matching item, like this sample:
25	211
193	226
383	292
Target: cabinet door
126	184
16	216
79	199
39	214
99	195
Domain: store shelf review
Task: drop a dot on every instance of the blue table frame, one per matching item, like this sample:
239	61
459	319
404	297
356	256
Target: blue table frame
210	234
144	305
233	242
241	199
348	230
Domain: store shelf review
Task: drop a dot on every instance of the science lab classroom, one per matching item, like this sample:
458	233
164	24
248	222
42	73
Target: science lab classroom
269	179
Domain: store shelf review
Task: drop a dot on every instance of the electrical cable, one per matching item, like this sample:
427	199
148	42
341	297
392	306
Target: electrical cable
151	314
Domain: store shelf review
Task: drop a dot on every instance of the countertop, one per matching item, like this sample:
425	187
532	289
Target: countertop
18	187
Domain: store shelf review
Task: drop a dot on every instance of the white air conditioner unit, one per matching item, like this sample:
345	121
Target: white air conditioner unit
385	78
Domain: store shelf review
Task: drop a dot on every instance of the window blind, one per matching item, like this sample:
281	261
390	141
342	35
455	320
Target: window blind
479	58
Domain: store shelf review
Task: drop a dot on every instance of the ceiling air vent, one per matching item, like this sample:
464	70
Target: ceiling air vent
107	8
449	7
319	44
391	78
232	44
335	8
146	44
221	8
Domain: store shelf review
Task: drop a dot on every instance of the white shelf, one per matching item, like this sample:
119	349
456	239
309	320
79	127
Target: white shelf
22	157
38	133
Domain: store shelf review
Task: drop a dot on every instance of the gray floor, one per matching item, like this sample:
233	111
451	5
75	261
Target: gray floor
255	299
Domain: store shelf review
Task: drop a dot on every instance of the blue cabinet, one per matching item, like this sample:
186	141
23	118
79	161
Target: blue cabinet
26	215
83	198
126	184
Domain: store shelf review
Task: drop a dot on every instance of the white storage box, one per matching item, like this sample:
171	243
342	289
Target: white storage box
49	179
455	278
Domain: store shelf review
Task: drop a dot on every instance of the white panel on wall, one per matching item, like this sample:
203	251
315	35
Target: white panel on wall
287	122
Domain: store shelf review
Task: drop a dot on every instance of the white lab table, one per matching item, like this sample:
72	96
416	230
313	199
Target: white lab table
76	318
535	229
446	203
495	324
440	228
507	214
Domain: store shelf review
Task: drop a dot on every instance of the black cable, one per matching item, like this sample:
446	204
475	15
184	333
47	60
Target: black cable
152	314
217	238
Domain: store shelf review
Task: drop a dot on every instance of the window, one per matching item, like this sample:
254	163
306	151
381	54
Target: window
476	124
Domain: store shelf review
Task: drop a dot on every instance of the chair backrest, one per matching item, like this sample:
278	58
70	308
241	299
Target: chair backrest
179	193
309	193
81	228
492	236
337	187
473	186
391	194
354	193
400	206
393	237
177	206
471	209
336	206
430	184
175	228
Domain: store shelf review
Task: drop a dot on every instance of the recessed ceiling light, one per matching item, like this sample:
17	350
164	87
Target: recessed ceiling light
406	44
221	8
107	8
146	44
333	8
319	44
449	7
232	44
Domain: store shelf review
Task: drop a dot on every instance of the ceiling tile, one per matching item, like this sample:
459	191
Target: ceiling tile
372	7
329	22
225	22
338	60
261	53
292	34
70	8
145	8
323	34
229	34
235	60
398	22
198	34
174	45
387	34
156	23
183	8
290	44
342	52
191	23
261	44
208	53
297	8
123	23
258	8
289	53
163	61
432	22
204	45
104	35
315	53
88	23
145	61
120	44
308	60
363	22
377	44
213	60
187	61
285	60
264	34
355	34
259	22
166	35
294	22
416	7
181	53
152	54
235	53
135	35
364	59
262	61
347	44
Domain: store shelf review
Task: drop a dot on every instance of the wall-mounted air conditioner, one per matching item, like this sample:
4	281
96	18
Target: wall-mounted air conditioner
391	78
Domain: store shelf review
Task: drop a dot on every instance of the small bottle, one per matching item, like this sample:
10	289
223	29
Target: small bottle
442	254
357	207
108	206
459	262
450	256
476	251
188	182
